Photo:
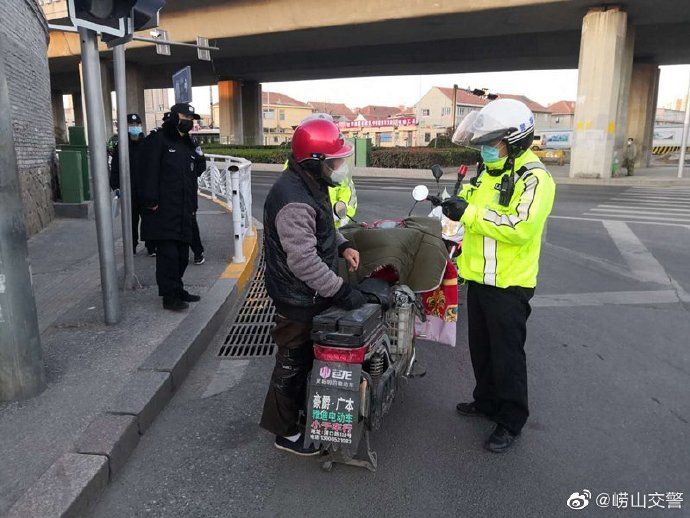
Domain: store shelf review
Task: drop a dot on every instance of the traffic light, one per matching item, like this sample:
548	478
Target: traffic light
104	9
145	14
108	16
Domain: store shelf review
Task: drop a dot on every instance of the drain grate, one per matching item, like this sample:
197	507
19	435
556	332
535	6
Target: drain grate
250	333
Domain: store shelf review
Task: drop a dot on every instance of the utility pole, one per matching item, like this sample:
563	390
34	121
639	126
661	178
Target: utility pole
21	362
686	130
455	105
210	96
123	148
99	169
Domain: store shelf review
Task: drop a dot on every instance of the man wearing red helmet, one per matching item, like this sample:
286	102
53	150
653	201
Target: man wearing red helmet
301	247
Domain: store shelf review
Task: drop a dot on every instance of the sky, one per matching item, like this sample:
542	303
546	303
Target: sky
543	86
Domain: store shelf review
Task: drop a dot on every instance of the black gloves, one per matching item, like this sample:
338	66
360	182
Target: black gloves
435	200
454	208
349	297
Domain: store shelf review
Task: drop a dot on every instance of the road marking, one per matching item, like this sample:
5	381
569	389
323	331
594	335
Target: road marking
641	262
605	298
648	203
653	219
600	220
647	214
640	207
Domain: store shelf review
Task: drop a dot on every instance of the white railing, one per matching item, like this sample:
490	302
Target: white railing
229	179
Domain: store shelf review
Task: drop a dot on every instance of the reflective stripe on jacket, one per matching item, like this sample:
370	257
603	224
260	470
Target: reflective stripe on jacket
502	245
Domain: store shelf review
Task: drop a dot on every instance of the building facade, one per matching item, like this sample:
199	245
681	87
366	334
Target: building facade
562	115
434	111
398	131
281	115
24	34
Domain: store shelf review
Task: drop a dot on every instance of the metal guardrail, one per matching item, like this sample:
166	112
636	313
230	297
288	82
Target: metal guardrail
229	179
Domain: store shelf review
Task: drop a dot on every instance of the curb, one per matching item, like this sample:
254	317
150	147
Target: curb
424	174
74	482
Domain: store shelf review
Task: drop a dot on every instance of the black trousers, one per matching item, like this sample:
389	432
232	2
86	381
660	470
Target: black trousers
497	330
197	247
172	258
136	219
287	390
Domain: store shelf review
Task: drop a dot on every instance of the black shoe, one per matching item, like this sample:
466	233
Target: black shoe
188	297
500	440
296	447
199	259
152	253
470	410
174	304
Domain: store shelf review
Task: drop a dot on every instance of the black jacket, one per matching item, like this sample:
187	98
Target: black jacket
134	148
166	177
292	297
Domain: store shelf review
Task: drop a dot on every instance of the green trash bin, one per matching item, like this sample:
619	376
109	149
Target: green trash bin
362	152
70	175
77	142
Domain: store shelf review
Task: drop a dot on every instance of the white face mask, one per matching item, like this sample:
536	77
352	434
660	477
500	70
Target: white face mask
338	176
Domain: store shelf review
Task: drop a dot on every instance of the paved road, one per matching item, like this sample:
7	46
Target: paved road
609	369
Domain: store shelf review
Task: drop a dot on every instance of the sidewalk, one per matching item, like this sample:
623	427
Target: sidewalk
88	363
659	175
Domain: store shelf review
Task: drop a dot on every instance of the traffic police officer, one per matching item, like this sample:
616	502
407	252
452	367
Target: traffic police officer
167	189
134	131
504	210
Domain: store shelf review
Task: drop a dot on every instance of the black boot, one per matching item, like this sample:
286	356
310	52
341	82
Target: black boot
471	410
188	297
174	303
500	440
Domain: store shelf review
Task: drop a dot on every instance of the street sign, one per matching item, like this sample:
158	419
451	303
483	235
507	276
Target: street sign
182	83
81	17
163	50
203	54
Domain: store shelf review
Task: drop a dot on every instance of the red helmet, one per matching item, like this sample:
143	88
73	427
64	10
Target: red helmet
319	139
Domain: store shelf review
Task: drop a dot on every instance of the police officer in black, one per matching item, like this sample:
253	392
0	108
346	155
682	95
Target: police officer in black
167	191
134	132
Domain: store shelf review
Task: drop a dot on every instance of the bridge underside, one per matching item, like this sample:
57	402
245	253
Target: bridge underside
519	38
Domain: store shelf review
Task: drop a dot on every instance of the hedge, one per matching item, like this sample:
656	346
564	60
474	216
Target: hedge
422	157
398	157
256	155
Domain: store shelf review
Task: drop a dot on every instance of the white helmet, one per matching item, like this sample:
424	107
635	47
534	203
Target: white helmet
503	119
314	116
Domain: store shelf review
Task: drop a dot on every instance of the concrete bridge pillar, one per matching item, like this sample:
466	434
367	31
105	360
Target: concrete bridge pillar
78	109
58	116
604	77
136	101
107	86
230	112
252	113
644	90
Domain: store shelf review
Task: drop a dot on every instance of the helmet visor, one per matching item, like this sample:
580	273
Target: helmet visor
478	129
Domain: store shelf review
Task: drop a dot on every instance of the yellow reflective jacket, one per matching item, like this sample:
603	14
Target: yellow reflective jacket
344	192
501	246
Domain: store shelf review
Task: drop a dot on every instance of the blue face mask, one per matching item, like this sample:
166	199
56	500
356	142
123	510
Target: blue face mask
135	131
490	154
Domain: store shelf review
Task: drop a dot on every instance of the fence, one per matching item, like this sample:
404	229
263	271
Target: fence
229	179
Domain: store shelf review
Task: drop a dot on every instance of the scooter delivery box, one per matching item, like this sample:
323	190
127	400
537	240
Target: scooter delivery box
340	327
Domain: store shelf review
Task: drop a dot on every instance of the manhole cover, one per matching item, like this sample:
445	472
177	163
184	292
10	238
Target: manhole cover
250	333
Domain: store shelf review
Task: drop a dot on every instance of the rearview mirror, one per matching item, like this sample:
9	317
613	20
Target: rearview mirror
437	171
420	193
340	209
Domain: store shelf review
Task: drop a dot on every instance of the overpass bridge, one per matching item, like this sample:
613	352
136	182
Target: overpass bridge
617	49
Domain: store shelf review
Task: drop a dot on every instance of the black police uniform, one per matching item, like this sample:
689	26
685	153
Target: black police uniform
166	180
134	148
